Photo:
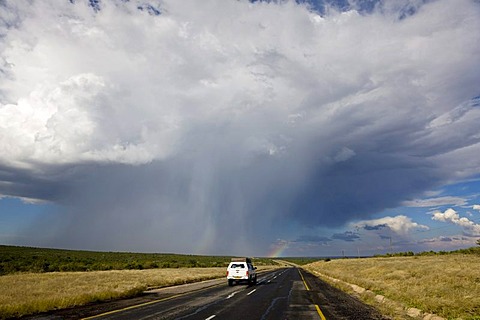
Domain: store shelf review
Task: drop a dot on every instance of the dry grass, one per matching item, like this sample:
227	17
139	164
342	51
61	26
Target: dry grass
31	293
448	286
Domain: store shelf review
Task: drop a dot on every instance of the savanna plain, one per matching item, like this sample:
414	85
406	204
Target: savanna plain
32	280
445	285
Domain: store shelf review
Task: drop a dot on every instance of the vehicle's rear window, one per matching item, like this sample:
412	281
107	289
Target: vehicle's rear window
237	265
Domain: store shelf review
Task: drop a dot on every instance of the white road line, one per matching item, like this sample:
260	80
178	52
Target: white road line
232	294
211	317
251	292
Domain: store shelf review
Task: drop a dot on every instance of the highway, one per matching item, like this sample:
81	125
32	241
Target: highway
288	293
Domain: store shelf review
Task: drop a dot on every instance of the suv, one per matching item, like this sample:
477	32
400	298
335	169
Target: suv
241	269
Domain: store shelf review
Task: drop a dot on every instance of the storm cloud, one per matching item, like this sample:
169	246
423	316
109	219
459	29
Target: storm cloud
171	127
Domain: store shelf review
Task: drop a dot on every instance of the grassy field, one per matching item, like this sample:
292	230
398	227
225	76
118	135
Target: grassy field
24	259
445	285
37	292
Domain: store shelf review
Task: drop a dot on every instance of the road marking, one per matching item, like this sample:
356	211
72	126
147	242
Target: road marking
320	313
146	303
131	307
232	294
211	317
251	292
303	279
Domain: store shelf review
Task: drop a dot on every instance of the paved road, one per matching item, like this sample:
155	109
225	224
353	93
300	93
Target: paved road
288	293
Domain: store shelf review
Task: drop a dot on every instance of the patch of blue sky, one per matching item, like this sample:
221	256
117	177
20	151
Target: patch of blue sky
468	190
362	6
476	101
96	5
321	6
464	195
17	215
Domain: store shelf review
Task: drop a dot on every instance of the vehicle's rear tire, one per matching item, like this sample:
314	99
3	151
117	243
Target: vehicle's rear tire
255	280
230	282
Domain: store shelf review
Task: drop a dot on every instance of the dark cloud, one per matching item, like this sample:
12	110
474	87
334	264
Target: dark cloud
346	236
313	239
377	227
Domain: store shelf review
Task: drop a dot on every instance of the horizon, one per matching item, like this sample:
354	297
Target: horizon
392	254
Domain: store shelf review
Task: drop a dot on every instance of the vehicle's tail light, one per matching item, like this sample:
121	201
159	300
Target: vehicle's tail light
247	273
227	273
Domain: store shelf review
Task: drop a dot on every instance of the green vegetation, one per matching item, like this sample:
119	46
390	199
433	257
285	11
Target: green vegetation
301	260
472	250
25	259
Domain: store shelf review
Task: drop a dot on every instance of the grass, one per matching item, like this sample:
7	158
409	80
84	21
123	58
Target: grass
30	293
25	259
445	285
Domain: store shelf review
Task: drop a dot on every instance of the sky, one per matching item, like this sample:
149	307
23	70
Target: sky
235	127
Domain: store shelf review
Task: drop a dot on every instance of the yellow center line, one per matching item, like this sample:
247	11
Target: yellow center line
320	313
303	279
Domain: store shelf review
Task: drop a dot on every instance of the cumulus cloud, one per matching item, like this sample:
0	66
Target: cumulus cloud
451	216
146	124
476	207
401	225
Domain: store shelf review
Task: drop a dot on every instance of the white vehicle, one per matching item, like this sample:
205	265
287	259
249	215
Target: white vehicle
241	270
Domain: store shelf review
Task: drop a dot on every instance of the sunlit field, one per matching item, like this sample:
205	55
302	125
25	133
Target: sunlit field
445	285
37	292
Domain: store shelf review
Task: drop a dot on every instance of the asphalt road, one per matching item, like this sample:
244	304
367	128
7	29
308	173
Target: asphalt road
289	293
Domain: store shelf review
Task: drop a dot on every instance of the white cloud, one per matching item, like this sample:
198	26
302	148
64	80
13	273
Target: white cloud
400	224
127	87
434	202
476	207
452	216
344	154
27	200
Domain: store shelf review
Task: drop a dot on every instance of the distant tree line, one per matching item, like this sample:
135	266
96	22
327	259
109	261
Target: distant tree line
302	260
472	250
25	259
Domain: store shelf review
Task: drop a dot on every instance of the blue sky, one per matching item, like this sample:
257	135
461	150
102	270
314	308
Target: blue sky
294	128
